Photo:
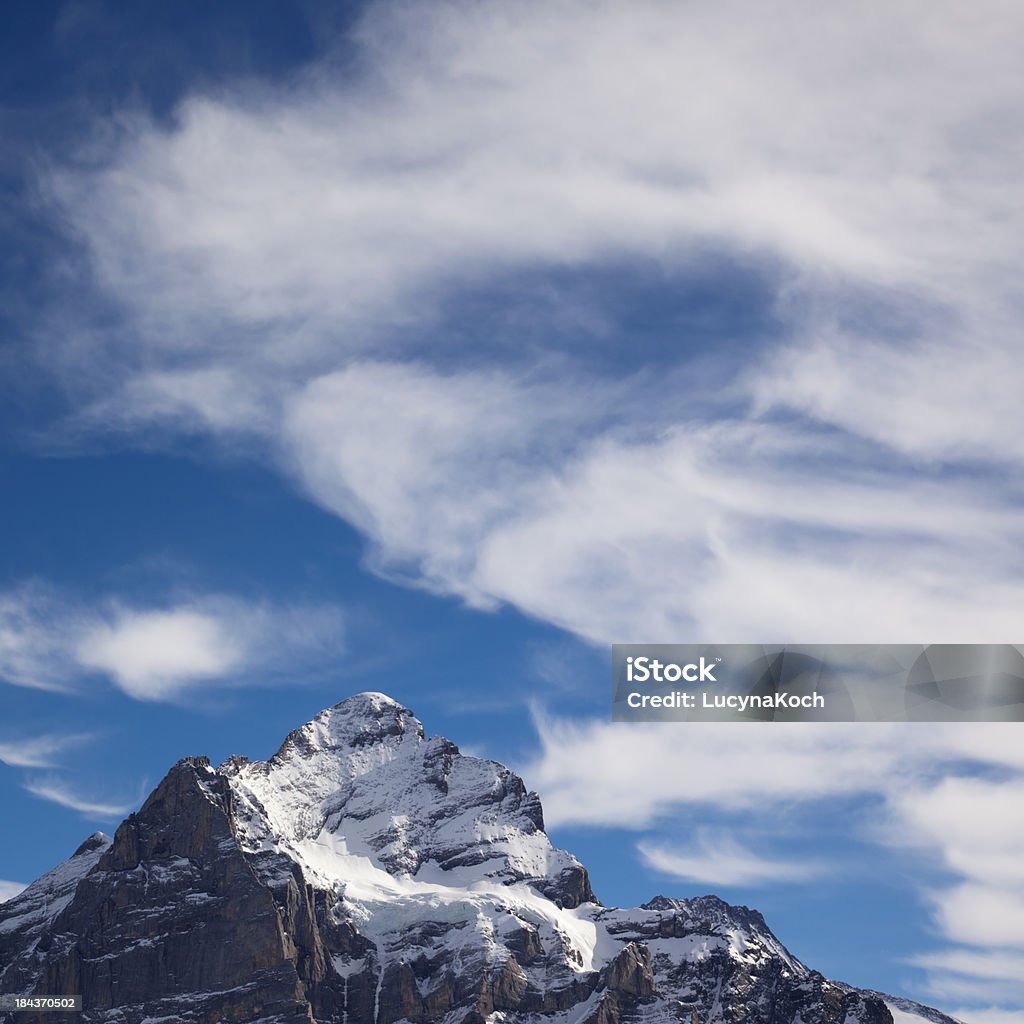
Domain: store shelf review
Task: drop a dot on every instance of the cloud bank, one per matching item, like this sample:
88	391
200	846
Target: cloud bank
287	267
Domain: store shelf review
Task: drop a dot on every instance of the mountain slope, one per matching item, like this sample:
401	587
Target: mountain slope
366	874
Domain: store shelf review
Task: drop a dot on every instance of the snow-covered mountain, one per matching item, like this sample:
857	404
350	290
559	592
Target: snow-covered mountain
366	874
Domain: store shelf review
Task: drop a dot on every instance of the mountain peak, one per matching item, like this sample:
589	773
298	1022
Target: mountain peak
367	873
97	841
368	717
369	703
360	788
361	720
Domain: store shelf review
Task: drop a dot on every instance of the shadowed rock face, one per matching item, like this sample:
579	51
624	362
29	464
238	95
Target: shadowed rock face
369	875
170	908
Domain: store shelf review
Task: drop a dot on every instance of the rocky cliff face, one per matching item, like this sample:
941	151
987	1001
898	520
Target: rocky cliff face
366	874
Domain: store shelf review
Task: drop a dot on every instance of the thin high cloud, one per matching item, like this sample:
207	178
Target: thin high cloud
34	625
63	795
491	488
39	751
823	139
992	1015
718	859
49	640
826	151
46	751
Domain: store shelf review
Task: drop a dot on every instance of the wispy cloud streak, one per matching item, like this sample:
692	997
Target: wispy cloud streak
39	751
50	640
64	796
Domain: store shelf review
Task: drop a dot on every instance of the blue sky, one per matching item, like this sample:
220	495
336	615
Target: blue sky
433	348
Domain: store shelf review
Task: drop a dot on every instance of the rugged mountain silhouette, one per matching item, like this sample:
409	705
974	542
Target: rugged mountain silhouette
366	874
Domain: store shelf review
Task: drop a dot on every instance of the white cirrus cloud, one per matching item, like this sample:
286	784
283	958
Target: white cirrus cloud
821	137
988	963
39	751
34	625
154	654
286	266
991	1015
717	858
149	654
601	773
58	792
490	487
159	651
966	823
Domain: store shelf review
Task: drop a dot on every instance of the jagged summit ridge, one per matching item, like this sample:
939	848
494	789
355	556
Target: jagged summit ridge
360	721
361	786
370	874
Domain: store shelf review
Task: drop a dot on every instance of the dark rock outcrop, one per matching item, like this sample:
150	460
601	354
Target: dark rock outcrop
630	972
